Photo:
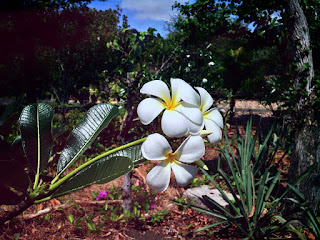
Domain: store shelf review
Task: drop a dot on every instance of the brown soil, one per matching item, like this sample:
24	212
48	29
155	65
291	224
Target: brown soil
179	223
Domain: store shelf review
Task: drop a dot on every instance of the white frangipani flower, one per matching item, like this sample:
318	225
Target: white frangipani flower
179	117
157	148
213	121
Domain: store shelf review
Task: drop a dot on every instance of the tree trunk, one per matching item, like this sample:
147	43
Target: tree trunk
307	134
123	137
300	52
305	153
126	192
127	123
232	108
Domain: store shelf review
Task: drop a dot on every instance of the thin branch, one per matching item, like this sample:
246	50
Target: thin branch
67	205
163	66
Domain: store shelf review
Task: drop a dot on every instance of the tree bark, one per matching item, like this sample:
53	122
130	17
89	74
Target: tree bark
305	153
20	208
307	133
126	192
123	137
300	51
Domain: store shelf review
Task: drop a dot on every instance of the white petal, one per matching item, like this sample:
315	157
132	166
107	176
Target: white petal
216	135
175	93
191	150
195	129
148	109
155	147
184	91
157	88
174	124
191	112
184	173
206	99
159	177
214	115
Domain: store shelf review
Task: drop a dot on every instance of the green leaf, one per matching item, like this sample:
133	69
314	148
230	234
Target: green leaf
134	153
35	126
100	172
96	119
70	217
56	132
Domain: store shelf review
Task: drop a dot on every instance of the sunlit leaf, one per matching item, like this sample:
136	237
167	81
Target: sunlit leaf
96	119
100	172
134	153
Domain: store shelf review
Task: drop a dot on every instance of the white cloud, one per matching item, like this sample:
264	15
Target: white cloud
151	9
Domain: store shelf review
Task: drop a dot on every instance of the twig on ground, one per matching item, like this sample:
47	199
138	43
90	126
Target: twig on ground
67	205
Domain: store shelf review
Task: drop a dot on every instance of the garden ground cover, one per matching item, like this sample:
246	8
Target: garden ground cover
162	220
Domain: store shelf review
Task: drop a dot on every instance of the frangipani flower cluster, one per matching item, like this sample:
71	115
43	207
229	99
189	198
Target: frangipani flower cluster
180	114
185	112
157	148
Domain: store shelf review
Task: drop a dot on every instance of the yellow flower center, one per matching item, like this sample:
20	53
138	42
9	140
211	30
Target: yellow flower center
204	114
171	104
170	157
201	108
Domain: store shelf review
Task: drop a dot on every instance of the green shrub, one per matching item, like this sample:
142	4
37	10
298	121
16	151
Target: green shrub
253	181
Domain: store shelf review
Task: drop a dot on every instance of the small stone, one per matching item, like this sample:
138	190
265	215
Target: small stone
196	194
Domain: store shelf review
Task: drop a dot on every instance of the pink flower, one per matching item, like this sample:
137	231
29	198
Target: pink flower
102	195
152	207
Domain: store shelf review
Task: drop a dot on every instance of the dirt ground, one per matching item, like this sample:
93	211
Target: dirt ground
177	223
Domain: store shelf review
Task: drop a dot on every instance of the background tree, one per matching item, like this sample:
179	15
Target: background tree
221	52
281	30
307	140
80	62
302	86
26	27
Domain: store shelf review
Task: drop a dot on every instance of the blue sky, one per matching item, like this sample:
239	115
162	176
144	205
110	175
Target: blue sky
142	14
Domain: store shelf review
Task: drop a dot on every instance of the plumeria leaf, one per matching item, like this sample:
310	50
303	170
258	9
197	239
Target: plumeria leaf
56	132
35	126
100	172
96	119
134	153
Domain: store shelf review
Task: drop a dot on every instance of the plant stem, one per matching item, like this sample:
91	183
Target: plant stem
43	199
57	184
36	180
